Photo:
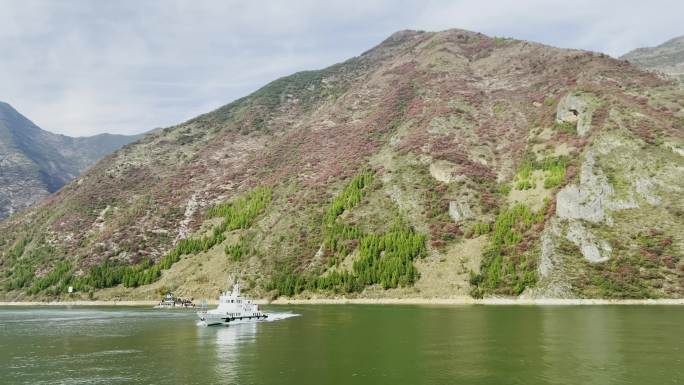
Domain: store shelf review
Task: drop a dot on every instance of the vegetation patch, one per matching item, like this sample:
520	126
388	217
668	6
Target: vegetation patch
61	275
480	228
506	266
569	128
524	179
619	278
110	274
555	169
19	276
387	258
349	197
640	269
237	250
384	258
238	214
22	262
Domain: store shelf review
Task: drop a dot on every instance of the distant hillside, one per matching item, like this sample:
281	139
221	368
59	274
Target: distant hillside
667	58
35	163
436	164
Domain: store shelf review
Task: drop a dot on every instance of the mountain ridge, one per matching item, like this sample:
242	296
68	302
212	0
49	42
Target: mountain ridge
44	161
667	57
436	164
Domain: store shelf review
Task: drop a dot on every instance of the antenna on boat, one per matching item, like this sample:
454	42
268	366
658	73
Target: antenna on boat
234	284
231	282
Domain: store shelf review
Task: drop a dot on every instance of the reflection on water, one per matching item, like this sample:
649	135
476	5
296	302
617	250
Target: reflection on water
347	345
593	351
230	342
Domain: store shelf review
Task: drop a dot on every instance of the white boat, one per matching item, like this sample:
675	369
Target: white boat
170	301
232	307
167	302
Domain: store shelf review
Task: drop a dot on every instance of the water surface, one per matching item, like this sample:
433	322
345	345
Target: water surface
346	344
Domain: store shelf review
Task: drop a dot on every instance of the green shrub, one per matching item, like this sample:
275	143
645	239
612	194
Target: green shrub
20	277
237	250
344	282
286	281
18	249
504	189
349	197
525	185
336	235
387	259
555	167
61	272
480	228
239	214
523	176
505	268
566	127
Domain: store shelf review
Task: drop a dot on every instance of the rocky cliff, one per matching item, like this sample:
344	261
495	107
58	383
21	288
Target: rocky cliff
433	165
35	163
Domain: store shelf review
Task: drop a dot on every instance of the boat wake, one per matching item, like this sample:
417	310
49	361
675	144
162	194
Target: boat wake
280	316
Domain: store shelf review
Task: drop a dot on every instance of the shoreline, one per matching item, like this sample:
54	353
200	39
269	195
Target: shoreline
382	301
473	301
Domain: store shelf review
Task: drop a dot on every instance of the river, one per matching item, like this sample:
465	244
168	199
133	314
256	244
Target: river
346	344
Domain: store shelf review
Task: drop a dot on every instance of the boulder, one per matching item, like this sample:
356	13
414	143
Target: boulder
574	108
459	211
593	250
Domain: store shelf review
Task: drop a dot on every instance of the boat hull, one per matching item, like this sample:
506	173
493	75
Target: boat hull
211	319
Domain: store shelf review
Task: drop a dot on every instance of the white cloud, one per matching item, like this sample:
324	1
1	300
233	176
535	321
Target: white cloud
83	67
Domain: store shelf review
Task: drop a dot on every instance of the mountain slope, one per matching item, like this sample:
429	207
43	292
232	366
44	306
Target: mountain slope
435	164
667	58
36	162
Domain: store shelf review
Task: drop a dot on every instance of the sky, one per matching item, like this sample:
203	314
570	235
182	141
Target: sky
82	67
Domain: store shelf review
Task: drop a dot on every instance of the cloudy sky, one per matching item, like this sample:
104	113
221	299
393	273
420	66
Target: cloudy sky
81	67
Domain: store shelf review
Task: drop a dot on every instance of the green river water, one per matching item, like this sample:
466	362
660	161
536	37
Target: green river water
346	344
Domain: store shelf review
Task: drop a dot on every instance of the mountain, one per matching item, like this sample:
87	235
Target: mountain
437	164
667	58
35	163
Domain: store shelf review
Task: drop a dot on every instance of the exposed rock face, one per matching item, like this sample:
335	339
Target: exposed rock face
548	259
588	200
618	179
574	108
553	278
592	249
35	163
592	198
459	211
444	171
